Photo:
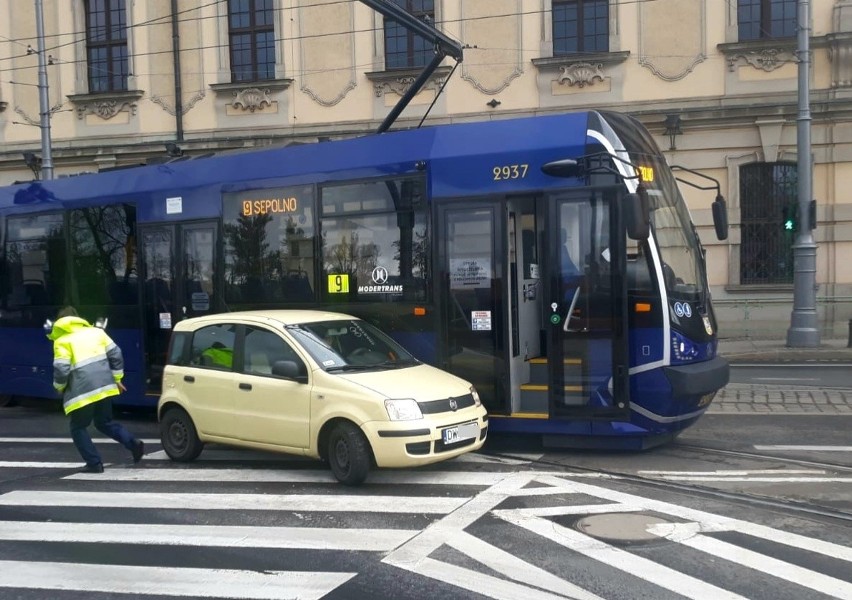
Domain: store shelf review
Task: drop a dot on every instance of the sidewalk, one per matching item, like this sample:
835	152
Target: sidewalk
740	398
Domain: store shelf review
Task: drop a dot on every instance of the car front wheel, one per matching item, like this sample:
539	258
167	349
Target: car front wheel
179	437
348	454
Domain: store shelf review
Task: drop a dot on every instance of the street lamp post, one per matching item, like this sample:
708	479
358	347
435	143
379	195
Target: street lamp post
43	103
804	329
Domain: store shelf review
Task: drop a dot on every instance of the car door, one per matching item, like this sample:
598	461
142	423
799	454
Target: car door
208	382
271	409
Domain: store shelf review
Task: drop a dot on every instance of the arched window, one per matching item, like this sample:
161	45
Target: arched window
768	201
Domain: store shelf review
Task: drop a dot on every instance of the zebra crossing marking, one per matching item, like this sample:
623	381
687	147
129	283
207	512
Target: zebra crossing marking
202	501
230	536
170	581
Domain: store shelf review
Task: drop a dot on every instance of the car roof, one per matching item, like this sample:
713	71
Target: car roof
280	316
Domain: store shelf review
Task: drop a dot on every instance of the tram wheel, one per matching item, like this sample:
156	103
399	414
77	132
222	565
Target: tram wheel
179	436
348	454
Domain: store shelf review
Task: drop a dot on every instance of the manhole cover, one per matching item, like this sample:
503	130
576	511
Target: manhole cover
621	527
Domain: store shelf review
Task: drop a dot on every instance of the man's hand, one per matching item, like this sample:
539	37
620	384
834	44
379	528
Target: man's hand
121	387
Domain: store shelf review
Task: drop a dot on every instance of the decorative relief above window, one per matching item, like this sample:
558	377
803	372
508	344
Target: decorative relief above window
764	55
580	70
106	105
248	98
399	81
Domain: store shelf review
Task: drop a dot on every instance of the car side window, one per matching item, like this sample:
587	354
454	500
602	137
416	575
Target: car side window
263	348
213	347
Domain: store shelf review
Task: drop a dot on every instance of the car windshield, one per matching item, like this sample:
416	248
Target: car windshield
354	345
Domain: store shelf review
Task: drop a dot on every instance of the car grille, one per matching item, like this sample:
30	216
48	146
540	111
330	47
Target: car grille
440	406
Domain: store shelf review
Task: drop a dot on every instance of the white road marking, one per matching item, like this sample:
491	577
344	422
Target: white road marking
807	448
185	501
235	454
168	581
737	473
41	465
754	560
761	479
313	538
785	379
63	440
395	477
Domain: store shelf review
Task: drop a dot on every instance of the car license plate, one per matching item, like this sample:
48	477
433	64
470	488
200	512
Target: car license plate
460	433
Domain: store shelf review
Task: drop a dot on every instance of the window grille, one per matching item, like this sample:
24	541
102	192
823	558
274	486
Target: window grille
768	199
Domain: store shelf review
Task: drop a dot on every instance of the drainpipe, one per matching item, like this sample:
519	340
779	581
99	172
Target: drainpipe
178	83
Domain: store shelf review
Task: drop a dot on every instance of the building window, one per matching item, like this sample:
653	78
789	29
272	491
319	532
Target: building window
768	198
580	26
404	49
106	45
251	29
766	19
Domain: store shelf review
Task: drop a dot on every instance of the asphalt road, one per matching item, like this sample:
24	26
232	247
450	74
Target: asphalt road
756	506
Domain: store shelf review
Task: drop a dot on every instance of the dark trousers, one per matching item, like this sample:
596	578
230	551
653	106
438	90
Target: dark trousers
101	413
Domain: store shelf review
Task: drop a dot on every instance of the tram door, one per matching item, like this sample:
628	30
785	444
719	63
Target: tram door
471	297
584	307
178	265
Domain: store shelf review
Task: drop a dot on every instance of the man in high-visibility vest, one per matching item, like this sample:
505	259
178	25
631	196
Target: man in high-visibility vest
87	370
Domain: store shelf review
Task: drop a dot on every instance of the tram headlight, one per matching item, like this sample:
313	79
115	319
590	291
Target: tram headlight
403	409
683	350
477	401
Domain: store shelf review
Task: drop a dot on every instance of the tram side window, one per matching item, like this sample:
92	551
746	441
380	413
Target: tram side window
103	264
375	241
269	247
34	287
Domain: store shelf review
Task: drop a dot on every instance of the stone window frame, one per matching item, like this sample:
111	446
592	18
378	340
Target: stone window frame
223	71
103	104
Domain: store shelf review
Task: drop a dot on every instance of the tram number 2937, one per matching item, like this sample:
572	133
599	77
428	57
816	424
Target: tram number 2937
460	433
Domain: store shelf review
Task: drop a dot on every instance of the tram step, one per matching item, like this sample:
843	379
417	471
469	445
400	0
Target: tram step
534	397
539	374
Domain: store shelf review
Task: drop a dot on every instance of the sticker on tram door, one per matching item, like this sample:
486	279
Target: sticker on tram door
459	433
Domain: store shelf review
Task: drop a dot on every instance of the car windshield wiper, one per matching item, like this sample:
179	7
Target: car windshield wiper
397	364
344	368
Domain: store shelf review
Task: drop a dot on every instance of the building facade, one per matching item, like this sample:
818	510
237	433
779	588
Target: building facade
130	82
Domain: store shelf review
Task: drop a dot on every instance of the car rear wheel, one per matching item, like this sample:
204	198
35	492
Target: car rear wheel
348	454
179	437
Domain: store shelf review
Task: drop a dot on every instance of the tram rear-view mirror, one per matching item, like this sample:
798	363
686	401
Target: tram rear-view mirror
637	214
720	217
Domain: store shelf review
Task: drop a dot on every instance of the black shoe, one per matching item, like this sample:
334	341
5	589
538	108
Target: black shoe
138	450
98	468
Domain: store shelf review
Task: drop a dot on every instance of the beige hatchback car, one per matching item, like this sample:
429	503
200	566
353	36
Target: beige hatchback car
319	384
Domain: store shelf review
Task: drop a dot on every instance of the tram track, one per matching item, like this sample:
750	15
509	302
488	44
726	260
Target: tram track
790	507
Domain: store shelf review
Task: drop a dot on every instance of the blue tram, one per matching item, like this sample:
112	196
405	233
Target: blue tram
550	260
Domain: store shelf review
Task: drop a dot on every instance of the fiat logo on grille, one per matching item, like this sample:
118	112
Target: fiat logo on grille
453	404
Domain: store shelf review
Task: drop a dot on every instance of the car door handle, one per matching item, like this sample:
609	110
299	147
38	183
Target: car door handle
189	378
245	386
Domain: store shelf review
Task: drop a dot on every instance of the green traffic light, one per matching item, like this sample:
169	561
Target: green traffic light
788	225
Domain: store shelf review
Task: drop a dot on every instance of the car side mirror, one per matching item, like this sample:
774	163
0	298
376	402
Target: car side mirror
290	370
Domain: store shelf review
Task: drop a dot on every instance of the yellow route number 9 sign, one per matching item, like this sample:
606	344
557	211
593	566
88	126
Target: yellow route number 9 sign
338	283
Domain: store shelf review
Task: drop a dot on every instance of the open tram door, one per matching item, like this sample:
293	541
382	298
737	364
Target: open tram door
584	306
179	280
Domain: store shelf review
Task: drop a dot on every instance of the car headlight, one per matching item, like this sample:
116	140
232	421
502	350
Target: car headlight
403	409
477	401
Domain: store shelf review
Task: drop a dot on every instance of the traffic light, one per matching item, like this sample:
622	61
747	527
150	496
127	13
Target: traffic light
790	217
